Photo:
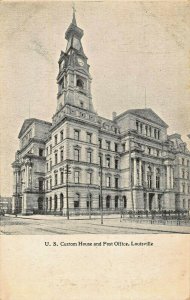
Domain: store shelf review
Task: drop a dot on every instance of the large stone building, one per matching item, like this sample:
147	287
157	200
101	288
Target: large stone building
130	158
29	167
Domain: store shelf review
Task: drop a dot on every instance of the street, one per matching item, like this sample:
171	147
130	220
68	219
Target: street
46	225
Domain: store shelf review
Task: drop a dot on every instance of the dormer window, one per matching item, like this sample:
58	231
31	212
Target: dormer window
80	83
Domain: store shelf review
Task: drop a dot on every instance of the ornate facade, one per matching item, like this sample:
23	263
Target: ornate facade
131	154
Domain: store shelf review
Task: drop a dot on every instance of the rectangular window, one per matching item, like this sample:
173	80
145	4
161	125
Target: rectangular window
76	134
116	147
46	184
89	178
47	166
55	138
50	183
100	143
108	181
108	145
137	126
183	161
61	136
89	156
41	151
55	158
62	177
149	150
157	182
108	162
116	182
123	147
61	155
76	174
146	130
89	137
46	151
40	185
150	131
116	164
77	201
149	179
56	179
76	154
50	164
155	133
100	160
50	149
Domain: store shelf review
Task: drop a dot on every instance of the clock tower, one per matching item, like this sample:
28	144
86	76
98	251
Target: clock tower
74	80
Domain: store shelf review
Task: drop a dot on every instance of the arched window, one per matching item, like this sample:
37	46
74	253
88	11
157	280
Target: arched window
55	202
50	204
108	200
61	201
77	200
149	177
158	178
80	83
124	202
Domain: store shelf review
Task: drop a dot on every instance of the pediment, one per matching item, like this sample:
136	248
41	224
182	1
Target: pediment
148	114
25	126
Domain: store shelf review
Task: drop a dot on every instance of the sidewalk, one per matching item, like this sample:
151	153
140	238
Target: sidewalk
112	221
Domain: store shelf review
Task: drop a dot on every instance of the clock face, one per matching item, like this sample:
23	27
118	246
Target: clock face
80	62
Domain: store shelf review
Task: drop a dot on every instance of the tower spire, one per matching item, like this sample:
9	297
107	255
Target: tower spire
74	18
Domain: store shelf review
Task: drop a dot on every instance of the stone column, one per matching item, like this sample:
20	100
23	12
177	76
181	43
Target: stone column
154	176
15	182
53	204
172	178
65	82
135	171
48	208
140	172
27	176
58	203
168	177
155	202
146	181
75	80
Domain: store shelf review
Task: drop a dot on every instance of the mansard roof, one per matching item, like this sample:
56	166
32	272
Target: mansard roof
147	114
28	122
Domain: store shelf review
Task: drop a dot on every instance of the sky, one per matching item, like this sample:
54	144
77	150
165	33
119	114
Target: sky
131	47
